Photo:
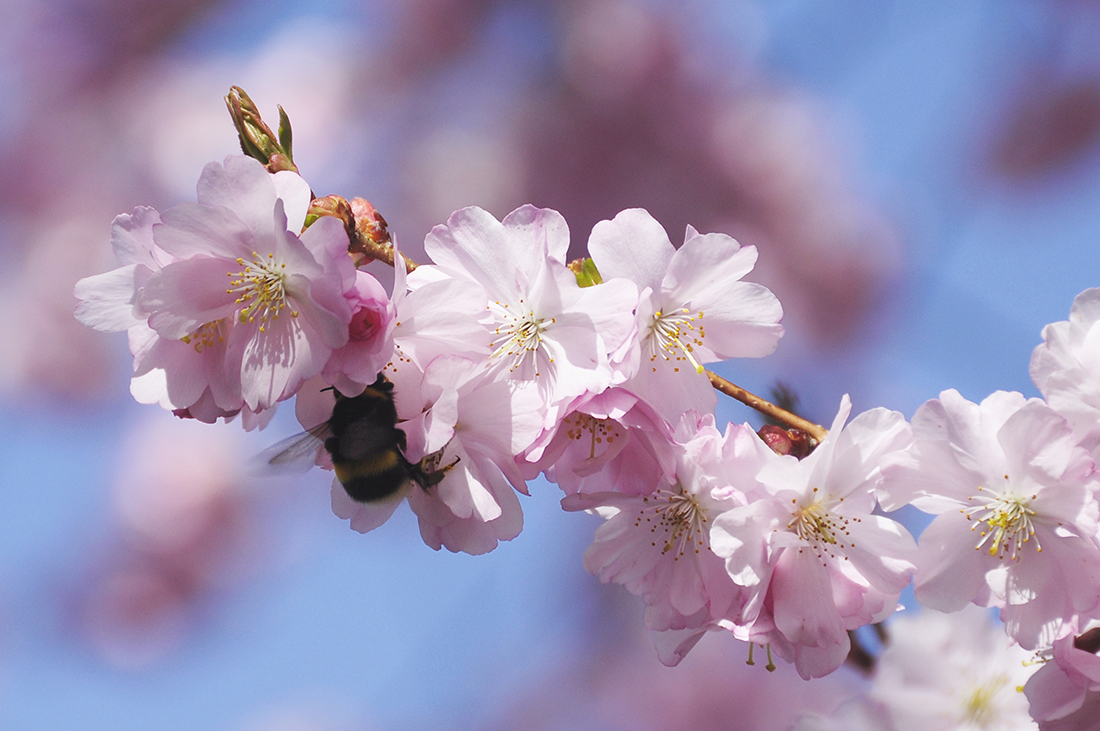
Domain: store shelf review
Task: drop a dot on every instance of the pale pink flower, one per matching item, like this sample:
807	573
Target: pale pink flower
435	314
356	365
1066	367
243	277
107	300
611	441
186	375
545	328
693	310
658	545
1064	695
470	428
1016	512
942	672
815	558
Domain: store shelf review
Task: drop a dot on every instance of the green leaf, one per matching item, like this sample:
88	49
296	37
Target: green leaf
286	137
586	272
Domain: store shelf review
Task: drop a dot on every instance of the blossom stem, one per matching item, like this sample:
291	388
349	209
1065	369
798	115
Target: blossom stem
766	407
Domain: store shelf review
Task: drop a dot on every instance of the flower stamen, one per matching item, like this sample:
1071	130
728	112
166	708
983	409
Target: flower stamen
979	705
1006	523
262	285
518	335
673	333
601	431
206	336
681	519
825	532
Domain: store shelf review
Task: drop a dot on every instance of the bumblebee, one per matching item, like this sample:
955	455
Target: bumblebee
367	448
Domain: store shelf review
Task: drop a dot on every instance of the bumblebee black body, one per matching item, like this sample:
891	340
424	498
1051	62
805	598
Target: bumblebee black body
367	448
366	445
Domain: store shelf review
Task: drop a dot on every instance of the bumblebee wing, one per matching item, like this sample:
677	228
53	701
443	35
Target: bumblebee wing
297	453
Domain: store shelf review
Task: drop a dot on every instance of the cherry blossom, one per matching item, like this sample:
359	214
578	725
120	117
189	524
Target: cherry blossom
434	315
658	545
1066	367
816	559
1064	695
243	277
951	671
1016	514
185	374
544	327
465	428
693	309
611	441
354	366
505	362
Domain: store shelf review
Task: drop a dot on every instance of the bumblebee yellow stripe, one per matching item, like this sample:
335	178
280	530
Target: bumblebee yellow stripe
367	467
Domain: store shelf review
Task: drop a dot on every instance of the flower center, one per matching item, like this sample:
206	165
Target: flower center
364	323
677	521
600	431
674	336
206	335
1005	522
979	705
825	531
518	335
261	288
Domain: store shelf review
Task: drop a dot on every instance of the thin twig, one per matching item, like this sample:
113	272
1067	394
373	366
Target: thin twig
766	407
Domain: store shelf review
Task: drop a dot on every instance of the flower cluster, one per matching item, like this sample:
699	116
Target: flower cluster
499	360
227	308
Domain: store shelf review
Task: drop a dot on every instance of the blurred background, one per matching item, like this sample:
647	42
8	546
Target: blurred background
921	179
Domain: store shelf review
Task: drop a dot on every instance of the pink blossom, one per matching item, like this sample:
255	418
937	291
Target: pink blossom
658	545
679	288
1064	695
435	315
1066	367
942	672
469	428
107	300
545	328
243	278
815	558
179	374
369	348
1016	512
612	441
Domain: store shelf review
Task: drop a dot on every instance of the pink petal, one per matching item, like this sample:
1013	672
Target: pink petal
634	246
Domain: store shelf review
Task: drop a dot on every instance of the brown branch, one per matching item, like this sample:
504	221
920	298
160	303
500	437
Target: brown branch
766	407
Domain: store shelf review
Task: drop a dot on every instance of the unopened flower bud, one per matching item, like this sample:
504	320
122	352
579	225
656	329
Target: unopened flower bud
369	222
586	272
371	237
794	442
801	443
776	438
337	207
257	139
